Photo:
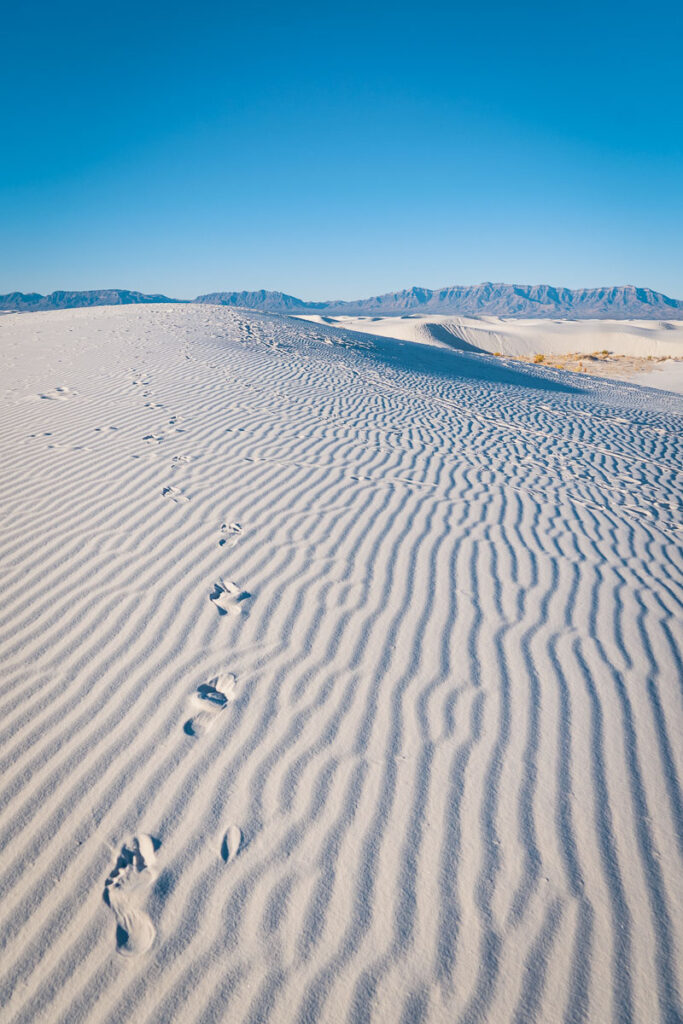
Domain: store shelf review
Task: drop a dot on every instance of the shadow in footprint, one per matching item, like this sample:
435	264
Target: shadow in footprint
229	598
175	494
209	701
124	889
58	394
232	843
230	534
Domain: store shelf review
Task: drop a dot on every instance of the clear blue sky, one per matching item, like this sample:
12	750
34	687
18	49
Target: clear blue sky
340	151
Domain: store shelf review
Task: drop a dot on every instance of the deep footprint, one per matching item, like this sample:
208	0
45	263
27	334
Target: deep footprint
132	874
59	394
229	597
230	534
209	700
175	494
232	843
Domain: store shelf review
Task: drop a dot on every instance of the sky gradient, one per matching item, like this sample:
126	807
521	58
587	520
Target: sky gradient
340	153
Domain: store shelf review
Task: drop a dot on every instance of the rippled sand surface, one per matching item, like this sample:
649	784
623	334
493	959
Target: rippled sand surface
340	679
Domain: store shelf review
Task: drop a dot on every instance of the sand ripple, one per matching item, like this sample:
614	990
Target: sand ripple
421	764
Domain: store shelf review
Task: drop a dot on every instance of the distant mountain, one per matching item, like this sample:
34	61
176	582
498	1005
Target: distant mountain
269	302
513	300
522	301
32	302
487	299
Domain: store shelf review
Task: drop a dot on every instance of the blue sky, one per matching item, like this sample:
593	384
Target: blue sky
343	151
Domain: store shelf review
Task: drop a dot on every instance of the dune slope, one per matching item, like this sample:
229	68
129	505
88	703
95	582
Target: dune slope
341	679
523	337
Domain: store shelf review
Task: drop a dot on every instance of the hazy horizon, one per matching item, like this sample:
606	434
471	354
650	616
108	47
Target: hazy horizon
340	298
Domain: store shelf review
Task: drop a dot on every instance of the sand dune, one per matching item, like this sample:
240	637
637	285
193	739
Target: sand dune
341	679
516	337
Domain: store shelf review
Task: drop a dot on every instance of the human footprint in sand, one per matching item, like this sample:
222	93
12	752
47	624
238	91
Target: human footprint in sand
229	597
230	534
232	843
209	700
132	874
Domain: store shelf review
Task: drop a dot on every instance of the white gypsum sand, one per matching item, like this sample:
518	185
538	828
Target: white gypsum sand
420	763
507	336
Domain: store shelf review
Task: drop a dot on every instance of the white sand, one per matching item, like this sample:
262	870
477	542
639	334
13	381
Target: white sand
515	337
341	679
667	376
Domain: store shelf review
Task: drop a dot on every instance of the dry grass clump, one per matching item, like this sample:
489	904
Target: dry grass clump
603	363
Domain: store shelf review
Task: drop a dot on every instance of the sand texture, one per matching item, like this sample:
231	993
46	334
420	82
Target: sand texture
341	679
520	337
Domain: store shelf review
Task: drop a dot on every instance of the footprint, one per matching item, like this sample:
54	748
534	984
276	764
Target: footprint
58	394
634	510
232	842
209	700
175	494
132	874
231	533
229	597
182	458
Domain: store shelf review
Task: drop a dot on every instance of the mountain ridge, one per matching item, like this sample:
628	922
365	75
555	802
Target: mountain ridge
487	299
34	302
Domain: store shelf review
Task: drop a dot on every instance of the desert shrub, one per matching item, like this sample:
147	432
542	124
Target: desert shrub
539	357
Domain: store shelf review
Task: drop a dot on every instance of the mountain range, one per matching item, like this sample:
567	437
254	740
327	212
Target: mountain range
33	302
512	300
